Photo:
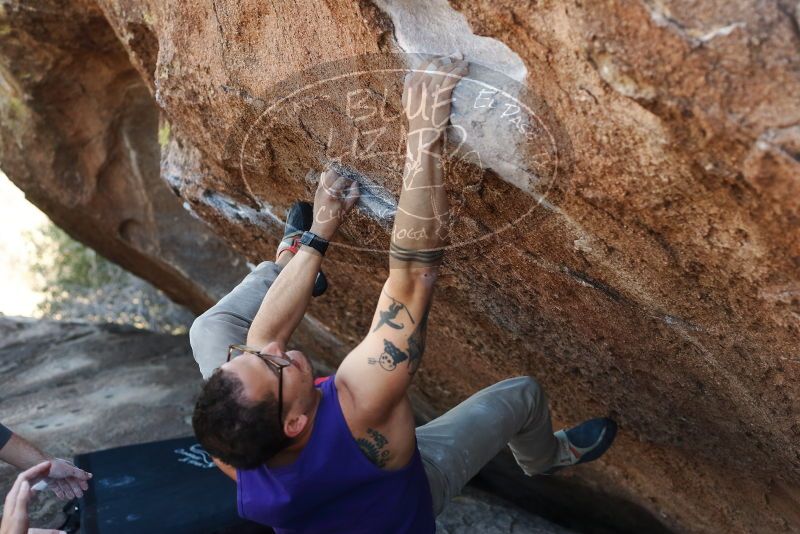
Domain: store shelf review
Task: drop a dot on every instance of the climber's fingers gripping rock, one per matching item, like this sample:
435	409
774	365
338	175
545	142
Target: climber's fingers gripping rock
427	93
335	196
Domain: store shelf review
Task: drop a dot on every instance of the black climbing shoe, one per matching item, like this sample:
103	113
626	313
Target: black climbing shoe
320	285
298	220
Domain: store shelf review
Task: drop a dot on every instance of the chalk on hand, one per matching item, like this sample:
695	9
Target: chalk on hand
40	486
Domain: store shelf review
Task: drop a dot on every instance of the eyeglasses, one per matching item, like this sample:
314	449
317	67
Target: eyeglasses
275	363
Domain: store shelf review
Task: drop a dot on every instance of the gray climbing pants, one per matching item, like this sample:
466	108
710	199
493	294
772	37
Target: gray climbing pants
455	446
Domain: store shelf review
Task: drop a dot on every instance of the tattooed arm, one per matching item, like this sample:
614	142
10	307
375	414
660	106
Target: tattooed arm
286	301
378	372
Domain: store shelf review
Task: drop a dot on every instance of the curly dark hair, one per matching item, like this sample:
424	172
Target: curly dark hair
240	432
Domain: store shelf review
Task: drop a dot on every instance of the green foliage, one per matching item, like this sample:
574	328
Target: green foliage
163	134
79	284
68	266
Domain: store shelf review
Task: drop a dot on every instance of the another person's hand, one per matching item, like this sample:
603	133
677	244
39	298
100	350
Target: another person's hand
15	509
335	196
66	480
427	94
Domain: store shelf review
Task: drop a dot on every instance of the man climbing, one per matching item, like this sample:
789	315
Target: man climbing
343	455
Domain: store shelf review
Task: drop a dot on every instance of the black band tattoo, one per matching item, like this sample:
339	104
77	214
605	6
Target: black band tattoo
387	317
372	447
428	257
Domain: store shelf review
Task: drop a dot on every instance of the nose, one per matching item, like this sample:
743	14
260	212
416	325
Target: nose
295	362
295	357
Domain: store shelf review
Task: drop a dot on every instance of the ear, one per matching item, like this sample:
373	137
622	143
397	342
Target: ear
294	425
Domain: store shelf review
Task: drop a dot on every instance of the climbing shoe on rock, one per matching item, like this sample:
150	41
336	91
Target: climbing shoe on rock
584	443
298	220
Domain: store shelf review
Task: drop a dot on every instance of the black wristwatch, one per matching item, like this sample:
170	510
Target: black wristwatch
314	241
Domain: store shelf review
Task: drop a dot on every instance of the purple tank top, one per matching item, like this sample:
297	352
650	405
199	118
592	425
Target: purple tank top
333	488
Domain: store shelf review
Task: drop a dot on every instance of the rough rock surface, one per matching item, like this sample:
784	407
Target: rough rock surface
656	279
477	511
89	387
80	138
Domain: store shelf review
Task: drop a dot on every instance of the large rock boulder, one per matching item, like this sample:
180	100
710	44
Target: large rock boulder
634	245
80	138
